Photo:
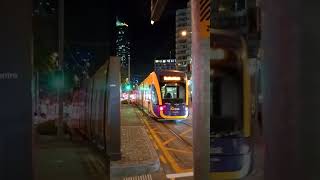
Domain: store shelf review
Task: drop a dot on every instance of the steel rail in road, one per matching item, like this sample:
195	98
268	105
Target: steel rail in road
152	125
178	135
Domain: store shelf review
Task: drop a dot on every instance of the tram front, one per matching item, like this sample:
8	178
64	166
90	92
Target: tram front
174	95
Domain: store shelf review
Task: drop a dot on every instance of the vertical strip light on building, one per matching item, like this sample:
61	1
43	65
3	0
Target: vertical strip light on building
205	13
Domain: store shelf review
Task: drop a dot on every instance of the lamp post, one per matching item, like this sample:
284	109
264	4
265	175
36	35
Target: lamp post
61	55
184	33
201	92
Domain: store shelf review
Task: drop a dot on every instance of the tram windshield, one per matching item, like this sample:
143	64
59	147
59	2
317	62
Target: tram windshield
173	93
226	104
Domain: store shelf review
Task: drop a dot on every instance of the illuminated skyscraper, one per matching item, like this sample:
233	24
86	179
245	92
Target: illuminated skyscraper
123	49
183	38
164	64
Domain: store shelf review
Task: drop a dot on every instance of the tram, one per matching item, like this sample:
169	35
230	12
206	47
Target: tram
96	101
164	95
231	148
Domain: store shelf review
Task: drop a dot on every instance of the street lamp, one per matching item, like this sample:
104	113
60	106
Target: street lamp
152	22
184	33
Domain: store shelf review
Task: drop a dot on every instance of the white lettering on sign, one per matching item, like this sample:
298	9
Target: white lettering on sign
174	109
171	78
8	75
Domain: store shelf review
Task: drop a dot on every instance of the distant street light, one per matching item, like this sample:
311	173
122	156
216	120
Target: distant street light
128	87
184	33
152	22
58	80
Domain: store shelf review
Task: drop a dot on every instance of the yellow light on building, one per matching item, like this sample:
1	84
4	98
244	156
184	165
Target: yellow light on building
184	33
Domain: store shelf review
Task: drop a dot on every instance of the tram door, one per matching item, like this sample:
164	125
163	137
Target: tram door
230	148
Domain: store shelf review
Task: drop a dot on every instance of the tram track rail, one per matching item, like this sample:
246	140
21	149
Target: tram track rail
171	143
177	134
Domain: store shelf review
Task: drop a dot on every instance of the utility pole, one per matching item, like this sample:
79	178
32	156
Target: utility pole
37	102
61	56
129	69
200	94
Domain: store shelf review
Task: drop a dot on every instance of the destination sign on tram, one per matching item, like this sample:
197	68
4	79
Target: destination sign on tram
171	78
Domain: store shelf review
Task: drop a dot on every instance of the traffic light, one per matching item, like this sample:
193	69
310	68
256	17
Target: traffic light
57	80
128	87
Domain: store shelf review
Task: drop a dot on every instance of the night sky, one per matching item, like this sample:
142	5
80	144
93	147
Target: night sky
148	41
94	21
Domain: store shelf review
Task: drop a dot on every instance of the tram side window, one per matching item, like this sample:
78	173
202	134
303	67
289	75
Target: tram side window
154	97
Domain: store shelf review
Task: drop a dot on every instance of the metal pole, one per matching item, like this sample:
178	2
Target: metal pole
291	89
61	56
201	92
129	69
113	95
37	108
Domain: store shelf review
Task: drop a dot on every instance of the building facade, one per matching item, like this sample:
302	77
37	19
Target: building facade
123	49
164	64
183	39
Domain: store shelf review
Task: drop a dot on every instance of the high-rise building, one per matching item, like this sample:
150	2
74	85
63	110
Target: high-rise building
183	39
164	64
123	49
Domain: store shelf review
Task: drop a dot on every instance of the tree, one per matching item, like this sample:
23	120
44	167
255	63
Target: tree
44	60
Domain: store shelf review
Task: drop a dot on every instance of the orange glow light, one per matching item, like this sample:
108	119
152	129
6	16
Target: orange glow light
171	78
